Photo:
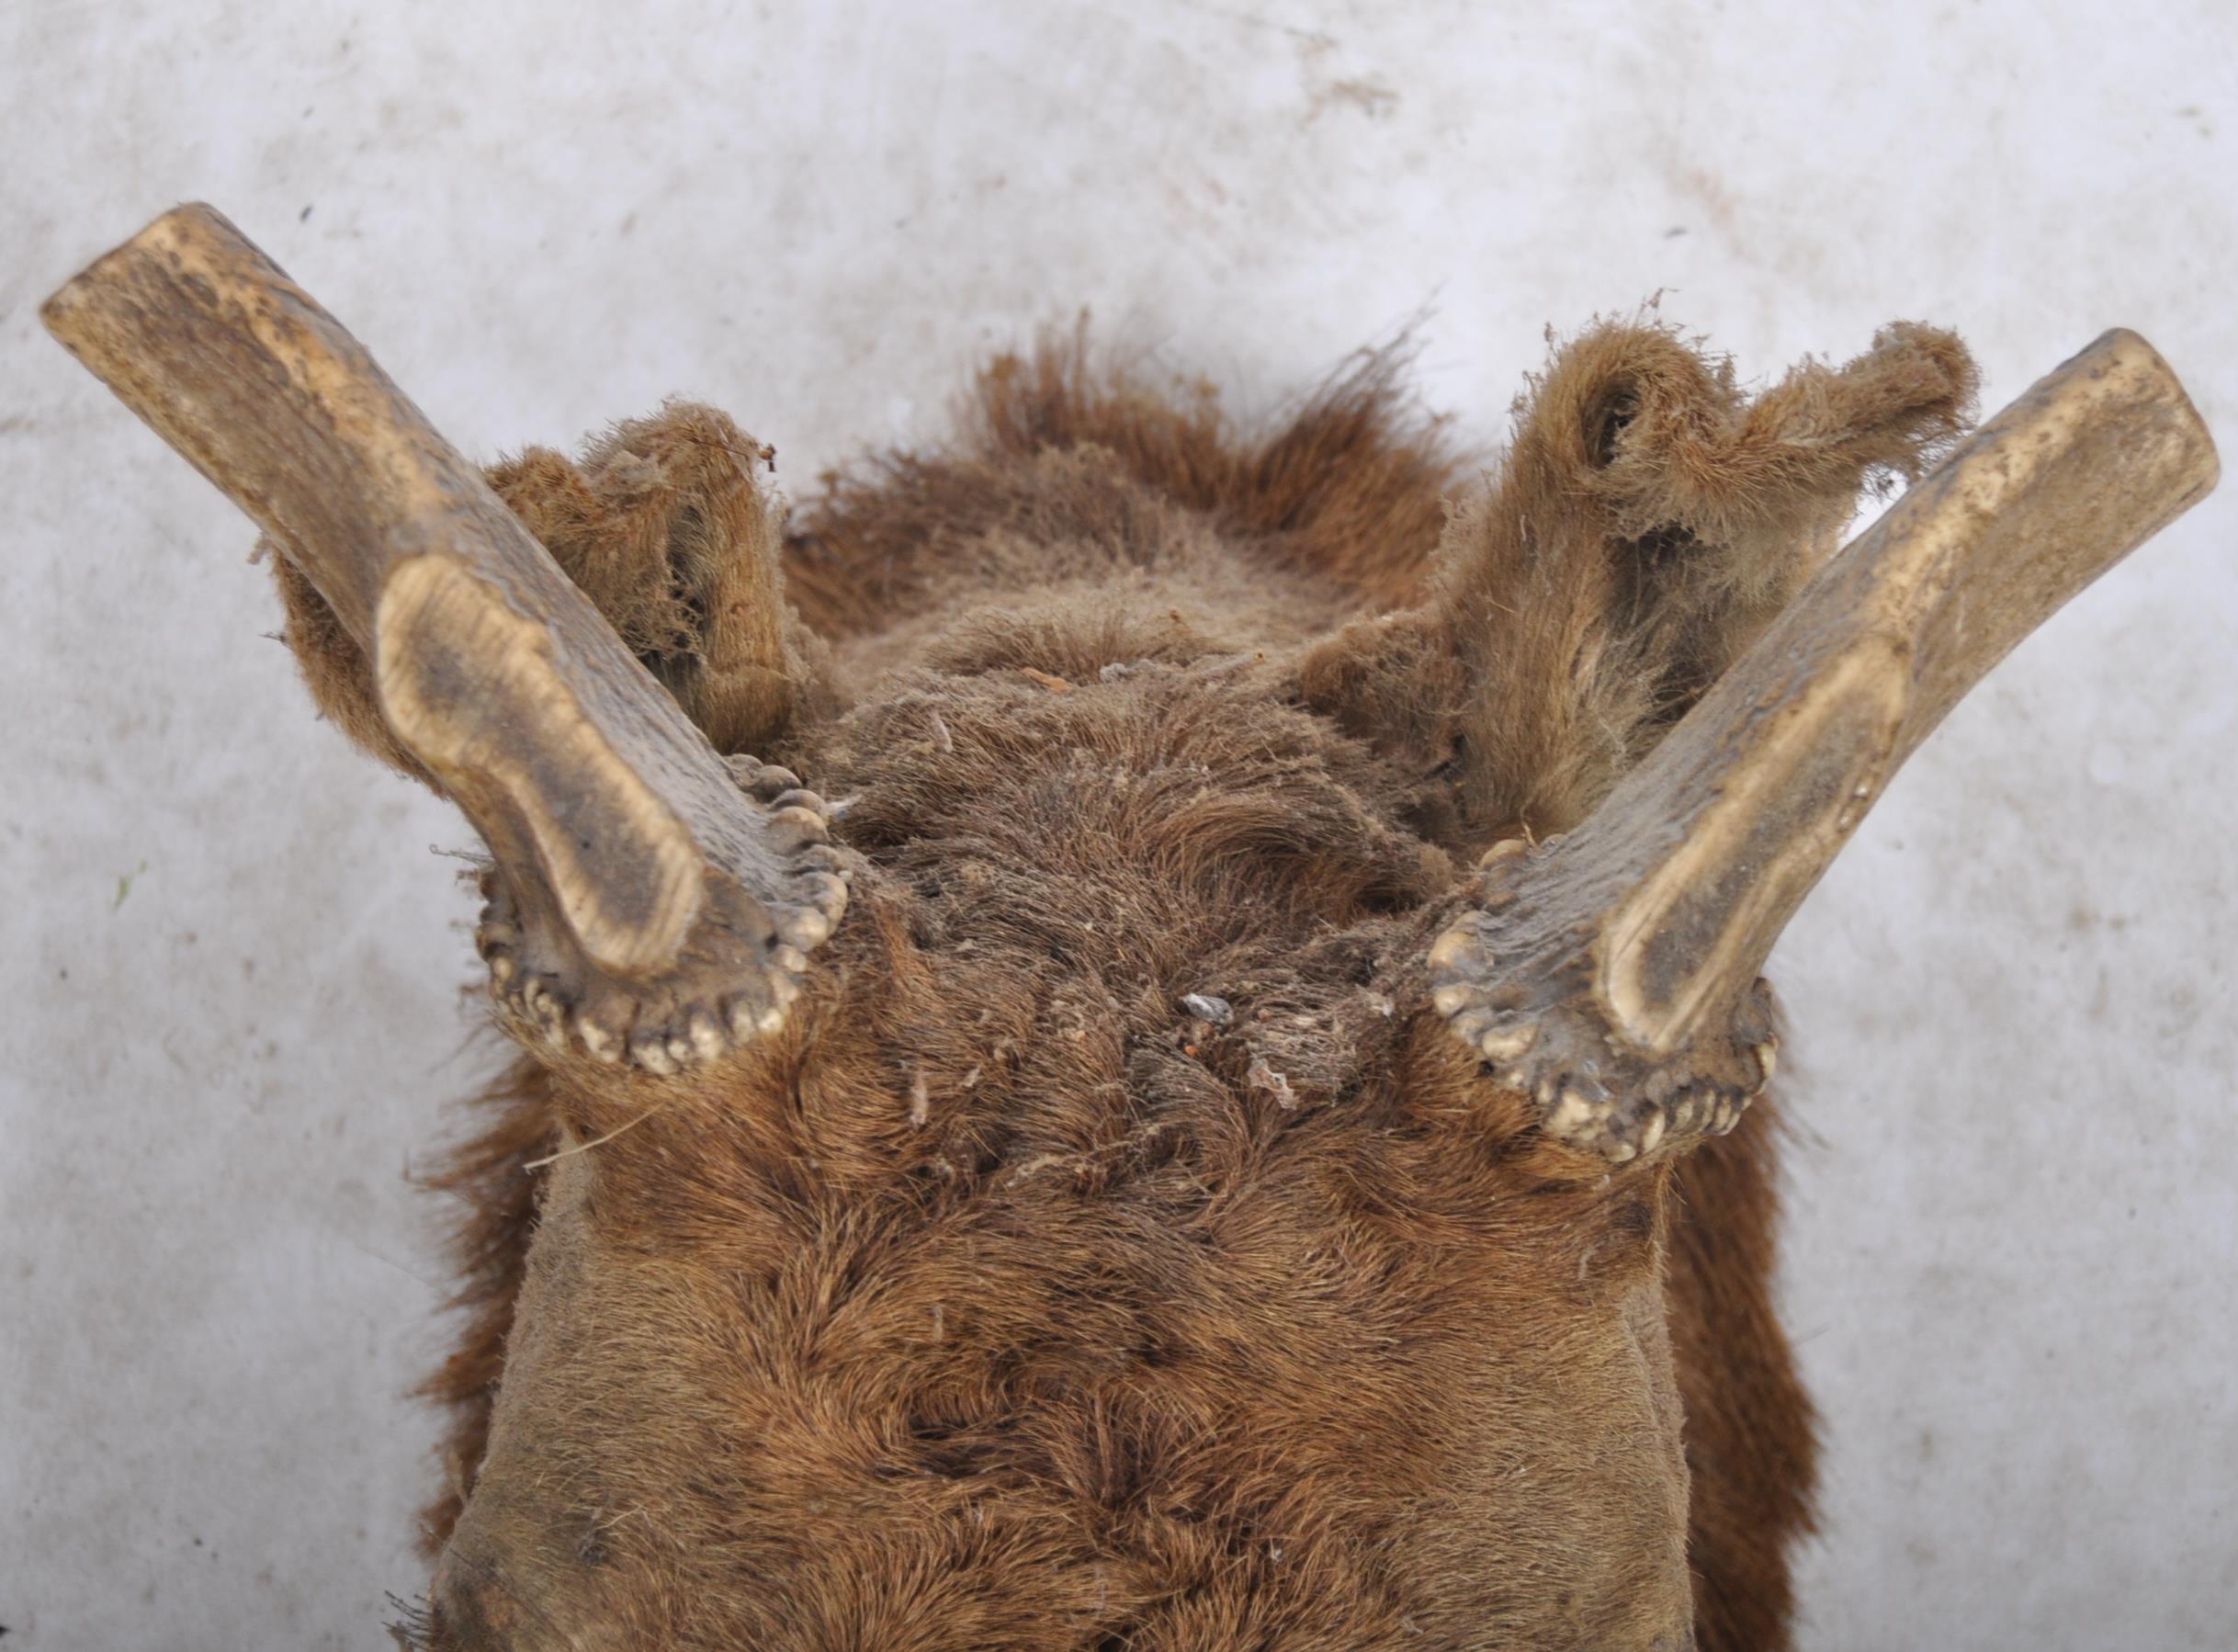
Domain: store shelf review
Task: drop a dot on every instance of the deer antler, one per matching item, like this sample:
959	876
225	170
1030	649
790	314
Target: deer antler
646	907
1613	973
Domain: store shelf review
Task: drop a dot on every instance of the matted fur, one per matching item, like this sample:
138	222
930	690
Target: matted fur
999	1301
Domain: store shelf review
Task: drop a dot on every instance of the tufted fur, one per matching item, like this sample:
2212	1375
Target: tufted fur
1002	1299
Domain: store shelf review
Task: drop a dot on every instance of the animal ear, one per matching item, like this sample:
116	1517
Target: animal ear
648	903
666	527
674	529
1612	974
1646	523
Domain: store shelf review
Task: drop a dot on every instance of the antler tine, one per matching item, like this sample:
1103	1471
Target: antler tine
643	899
1613	972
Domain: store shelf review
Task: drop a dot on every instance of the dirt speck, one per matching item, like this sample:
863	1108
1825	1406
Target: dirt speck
1705	187
1369	98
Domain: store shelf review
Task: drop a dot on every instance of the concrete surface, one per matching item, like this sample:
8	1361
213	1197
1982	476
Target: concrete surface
229	964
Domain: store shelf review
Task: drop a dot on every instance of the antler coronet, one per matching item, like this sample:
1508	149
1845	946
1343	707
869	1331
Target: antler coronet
1524	994
699	1006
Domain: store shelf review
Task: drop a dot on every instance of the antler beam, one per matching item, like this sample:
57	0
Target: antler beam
648	908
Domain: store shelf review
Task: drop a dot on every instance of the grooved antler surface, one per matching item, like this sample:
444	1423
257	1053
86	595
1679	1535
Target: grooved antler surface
1613	972
646	906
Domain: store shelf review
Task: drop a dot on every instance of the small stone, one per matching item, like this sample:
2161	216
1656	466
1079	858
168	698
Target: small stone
1205	1007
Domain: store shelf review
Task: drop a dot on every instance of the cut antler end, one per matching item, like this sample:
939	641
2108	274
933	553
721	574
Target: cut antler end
733	979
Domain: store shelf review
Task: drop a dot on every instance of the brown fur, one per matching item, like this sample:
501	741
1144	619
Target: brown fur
998	1301
1647	522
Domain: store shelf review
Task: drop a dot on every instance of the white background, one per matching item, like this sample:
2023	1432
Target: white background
229	966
